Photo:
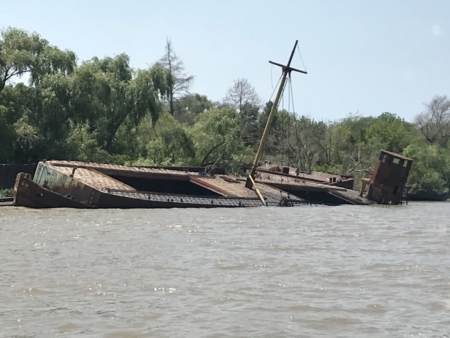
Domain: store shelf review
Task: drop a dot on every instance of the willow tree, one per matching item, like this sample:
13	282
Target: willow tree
109	93
23	53
216	136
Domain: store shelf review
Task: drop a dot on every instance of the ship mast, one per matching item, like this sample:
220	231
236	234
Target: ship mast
286	72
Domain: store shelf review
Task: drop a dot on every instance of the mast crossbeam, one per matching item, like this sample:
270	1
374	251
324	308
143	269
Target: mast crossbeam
286	71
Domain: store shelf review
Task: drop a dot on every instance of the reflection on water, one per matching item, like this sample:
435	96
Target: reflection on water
262	272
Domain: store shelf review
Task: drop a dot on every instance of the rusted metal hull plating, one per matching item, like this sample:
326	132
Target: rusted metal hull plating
85	185
389	178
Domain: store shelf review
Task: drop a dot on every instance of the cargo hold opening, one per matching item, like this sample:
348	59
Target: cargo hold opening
181	187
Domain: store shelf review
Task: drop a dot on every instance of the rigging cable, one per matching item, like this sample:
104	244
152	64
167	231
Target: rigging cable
270	100
292	96
289	118
301	58
282	128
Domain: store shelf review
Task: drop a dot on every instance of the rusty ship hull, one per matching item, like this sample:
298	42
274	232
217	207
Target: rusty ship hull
93	185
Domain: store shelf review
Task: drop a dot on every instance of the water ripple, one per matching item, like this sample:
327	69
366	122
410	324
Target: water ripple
263	272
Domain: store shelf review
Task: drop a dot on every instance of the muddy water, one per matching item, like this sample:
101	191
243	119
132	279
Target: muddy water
263	272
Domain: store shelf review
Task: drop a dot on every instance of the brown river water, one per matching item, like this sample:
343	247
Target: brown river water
311	271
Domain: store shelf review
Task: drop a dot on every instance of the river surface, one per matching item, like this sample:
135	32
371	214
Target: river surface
311	271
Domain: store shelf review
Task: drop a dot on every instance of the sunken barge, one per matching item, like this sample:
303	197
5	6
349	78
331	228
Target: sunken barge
93	185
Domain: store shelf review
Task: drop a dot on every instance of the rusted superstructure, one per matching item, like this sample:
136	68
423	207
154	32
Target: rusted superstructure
315	187
343	181
388	179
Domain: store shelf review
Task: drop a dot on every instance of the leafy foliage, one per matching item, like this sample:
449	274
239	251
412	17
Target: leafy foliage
216	136
431	168
6	193
24	53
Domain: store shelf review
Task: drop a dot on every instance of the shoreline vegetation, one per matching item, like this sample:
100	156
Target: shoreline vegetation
4	193
103	110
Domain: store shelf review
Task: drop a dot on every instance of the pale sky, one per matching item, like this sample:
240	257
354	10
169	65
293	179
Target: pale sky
361	56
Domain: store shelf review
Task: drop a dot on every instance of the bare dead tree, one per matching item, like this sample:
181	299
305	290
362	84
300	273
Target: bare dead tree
240	93
434	122
178	82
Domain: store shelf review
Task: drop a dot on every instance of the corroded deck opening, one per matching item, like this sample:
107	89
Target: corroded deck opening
182	187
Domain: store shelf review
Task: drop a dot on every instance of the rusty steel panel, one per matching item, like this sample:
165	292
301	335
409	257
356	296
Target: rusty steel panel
214	185
55	181
235	188
275	178
273	197
121	170
29	194
389	178
179	201
92	178
314	176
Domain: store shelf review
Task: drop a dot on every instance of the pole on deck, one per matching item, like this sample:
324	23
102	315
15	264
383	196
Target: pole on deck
286	71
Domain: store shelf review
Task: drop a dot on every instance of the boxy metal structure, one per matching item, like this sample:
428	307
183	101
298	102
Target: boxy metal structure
389	178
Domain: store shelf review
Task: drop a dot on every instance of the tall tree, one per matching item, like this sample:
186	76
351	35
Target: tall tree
389	132
170	143
116	94
249	125
24	53
431	167
434	122
177	81
304	143
216	137
240	94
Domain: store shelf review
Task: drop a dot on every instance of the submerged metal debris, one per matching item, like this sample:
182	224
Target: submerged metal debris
94	185
386	186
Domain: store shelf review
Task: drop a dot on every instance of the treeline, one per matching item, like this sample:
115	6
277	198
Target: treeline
103	110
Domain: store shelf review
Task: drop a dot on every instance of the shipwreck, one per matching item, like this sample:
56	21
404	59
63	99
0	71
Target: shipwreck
92	185
84	185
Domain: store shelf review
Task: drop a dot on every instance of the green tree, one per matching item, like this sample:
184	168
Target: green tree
217	141
24	53
171	143
431	167
7	137
113	94
249	130
189	106
305	149
389	132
